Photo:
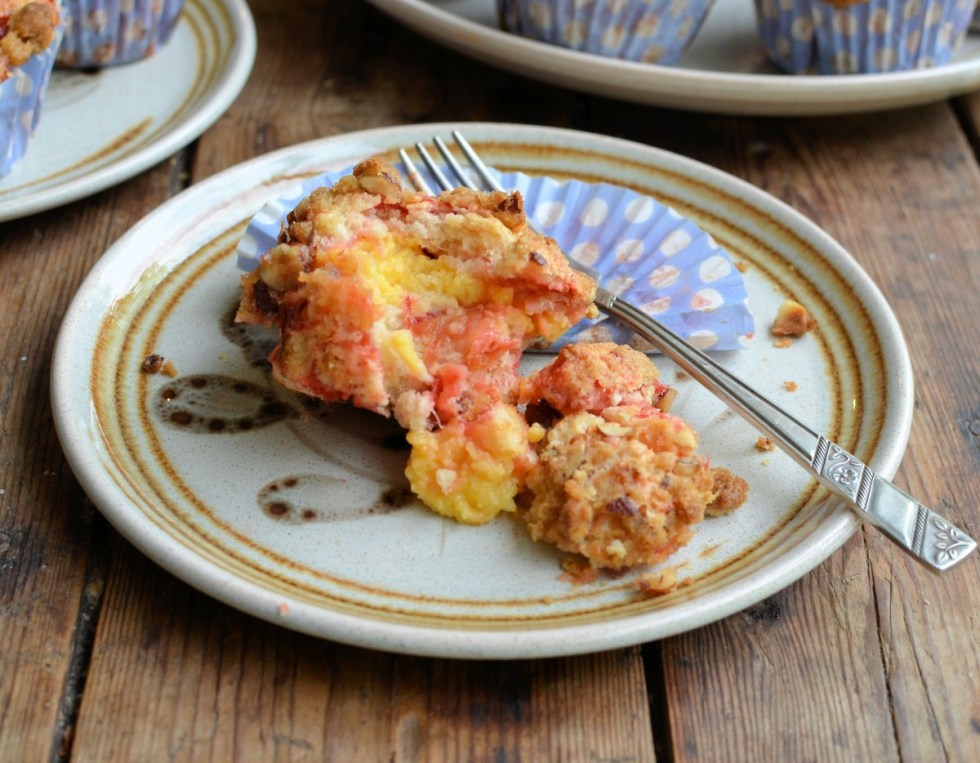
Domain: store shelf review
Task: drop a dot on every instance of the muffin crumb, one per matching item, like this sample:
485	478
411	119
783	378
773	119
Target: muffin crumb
730	493
792	319
158	364
657	583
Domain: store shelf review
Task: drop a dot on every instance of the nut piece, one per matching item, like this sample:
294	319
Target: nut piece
792	319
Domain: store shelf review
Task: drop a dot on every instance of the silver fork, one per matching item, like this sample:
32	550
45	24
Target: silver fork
926	536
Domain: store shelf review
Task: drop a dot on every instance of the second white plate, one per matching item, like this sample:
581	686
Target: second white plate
724	71
100	128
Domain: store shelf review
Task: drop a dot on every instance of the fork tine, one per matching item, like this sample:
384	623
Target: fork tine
441	180
413	173
476	161
454	165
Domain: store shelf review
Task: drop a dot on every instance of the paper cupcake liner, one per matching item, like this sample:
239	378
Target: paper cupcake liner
21	104
650	31
812	36
641	250
108	32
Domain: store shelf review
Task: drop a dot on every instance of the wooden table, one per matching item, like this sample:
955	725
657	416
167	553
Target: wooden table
105	656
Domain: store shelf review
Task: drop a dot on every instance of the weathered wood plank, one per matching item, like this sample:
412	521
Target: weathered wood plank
50	566
174	673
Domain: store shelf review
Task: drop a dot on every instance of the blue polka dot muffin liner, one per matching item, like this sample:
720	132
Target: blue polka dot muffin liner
647	31
861	36
641	250
110	32
21	103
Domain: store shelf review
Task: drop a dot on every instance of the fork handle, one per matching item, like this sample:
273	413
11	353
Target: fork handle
930	539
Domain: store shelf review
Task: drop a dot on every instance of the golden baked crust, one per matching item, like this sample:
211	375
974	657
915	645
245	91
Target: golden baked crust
595	376
623	488
27	27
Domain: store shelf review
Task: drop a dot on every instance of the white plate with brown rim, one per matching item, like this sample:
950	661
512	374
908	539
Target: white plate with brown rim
725	69
104	126
298	513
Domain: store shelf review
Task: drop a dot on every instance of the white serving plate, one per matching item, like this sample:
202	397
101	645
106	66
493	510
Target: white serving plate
365	566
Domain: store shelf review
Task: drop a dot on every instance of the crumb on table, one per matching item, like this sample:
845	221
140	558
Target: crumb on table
790	386
765	444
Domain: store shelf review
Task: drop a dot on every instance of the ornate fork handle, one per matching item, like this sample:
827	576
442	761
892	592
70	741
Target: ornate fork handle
930	539
925	535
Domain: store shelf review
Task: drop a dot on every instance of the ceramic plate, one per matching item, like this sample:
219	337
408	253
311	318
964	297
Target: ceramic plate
102	127
724	71
299	514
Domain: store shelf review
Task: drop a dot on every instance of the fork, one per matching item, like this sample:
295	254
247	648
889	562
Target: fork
927	537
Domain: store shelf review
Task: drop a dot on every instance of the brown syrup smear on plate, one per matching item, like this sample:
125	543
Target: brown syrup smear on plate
218	404
300	498
212	403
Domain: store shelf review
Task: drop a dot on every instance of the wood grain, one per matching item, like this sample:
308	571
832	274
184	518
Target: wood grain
104	656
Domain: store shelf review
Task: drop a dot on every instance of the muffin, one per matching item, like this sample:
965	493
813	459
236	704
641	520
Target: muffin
861	36
419	307
109	32
647	31
29	35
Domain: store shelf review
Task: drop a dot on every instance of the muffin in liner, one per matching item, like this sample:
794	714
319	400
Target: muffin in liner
648	31
21	102
108	32
861	36
639	249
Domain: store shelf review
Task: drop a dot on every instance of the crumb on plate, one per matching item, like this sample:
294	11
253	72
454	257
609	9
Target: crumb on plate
792	319
158	364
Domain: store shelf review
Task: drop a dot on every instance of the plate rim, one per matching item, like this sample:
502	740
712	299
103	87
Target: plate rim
684	88
432	640
209	108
